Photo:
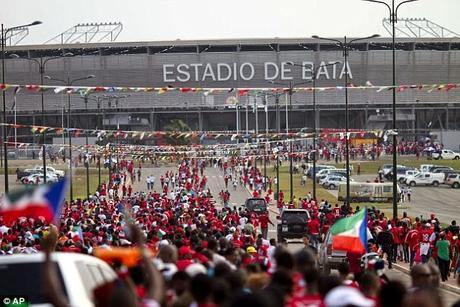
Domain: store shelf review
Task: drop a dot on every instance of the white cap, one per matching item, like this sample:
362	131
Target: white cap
195	269
344	296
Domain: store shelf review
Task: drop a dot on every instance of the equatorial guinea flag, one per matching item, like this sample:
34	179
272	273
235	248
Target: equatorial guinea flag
41	201
350	233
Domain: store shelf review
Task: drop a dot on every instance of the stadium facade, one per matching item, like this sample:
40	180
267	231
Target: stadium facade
241	63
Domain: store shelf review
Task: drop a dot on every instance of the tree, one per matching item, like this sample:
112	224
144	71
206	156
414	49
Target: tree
176	126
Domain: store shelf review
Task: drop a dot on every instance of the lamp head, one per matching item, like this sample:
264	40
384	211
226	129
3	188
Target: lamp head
14	55
35	23
68	54
48	77
375	35
90	77
315	36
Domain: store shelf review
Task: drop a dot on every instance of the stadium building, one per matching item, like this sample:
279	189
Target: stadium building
238	64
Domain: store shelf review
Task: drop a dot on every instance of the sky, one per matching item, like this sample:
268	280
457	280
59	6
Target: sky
153	20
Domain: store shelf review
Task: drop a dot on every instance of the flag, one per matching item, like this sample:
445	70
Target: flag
42	201
350	233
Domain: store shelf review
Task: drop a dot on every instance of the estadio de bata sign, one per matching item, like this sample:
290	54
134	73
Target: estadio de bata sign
246	71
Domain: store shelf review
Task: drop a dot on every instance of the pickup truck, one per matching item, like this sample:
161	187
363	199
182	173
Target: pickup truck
425	179
446	154
403	176
329	258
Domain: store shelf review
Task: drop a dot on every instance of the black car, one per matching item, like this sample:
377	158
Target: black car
257	205
293	224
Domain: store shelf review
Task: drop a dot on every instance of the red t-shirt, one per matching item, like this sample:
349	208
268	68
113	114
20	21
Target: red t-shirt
425	235
396	231
313	226
263	220
412	238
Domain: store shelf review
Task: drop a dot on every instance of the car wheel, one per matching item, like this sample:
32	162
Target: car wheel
456	185
401	180
435	183
456	158
331	186
412	183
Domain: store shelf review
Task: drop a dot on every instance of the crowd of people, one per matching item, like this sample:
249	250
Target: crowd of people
208	254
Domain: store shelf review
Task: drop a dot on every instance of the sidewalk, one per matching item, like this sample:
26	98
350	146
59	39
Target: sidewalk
450	285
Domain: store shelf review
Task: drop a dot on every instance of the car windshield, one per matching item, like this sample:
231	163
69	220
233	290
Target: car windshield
256	205
295	216
25	279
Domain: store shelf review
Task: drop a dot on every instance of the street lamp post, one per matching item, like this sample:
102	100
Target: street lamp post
315	69
69	83
41	69
87	160
4	32
291	87
277	103
394	19
345	45
87	153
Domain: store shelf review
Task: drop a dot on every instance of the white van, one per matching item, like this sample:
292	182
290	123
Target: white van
79	275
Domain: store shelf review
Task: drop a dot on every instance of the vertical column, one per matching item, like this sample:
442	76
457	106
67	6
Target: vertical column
447	117
200	120
152	120
318	116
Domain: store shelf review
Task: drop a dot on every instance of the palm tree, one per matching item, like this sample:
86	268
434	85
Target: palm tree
174	126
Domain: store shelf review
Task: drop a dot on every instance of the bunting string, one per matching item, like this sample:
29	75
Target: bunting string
86	90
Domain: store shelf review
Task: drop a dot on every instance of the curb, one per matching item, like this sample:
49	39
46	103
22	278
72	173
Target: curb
442	285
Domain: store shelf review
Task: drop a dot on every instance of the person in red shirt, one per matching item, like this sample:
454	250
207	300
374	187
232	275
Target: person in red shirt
313	228
396	231
264	220
412	240
425	235
311	296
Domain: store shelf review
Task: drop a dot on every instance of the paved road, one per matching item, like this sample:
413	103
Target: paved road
237	198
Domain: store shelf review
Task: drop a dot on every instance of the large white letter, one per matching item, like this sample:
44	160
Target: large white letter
166	73
334	69
220	72
342	73
322	70
208	72
183	72
285	70
266	67
196	65
251	69
307	70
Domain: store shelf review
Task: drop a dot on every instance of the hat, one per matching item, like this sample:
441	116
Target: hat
251	249
185	250
345	296
195	269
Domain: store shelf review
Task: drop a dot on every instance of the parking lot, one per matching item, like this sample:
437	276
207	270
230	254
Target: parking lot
443	200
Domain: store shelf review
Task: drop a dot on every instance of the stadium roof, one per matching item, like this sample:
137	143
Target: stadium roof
234	45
